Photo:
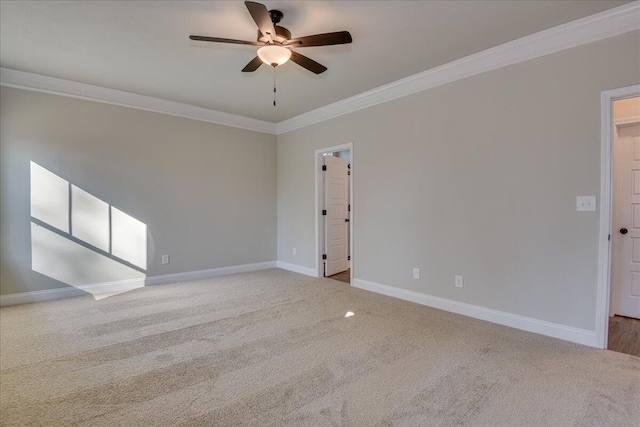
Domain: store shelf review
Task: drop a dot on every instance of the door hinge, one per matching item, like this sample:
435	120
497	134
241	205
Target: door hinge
349	209
324	167
346	220
324	256
349	258
609	238
324	211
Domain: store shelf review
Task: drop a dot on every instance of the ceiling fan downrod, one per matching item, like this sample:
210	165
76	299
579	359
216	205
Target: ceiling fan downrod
275	15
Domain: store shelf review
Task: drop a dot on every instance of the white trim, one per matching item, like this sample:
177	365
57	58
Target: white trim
555	330
39	83
627	121
319	270
39	296
604	250
602	25
206	274
68	292
592	28
297	268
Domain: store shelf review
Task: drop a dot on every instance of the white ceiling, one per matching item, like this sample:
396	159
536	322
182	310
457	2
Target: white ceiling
143	46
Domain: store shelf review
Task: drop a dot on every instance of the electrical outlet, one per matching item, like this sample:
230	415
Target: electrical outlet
165	259
295	251
459	282
416	273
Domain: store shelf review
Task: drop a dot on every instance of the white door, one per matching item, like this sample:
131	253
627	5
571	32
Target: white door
335	224
625	248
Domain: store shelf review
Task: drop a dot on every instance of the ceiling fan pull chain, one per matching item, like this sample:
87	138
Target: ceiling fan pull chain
274	86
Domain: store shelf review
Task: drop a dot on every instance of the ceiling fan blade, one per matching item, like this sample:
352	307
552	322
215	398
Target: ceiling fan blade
253	65
307	63
221	40
340	37
260	14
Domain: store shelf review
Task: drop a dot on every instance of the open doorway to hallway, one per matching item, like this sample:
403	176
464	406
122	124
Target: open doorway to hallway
334	202
624	310
345	276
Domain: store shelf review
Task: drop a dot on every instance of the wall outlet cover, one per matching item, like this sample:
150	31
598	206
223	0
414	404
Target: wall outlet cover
165	259
416	273
459	282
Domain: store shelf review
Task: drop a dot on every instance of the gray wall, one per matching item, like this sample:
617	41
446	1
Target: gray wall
478	177
206	192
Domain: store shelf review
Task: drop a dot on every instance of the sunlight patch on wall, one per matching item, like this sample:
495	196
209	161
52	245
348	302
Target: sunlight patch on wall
49	198
80	240
89	219
64	260
128	238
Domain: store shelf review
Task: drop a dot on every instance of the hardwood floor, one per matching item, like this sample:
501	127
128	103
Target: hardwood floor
345	276
624	335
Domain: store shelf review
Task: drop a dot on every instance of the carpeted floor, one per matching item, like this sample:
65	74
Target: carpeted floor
274	348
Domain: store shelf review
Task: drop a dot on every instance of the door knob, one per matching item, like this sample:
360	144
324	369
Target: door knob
623	231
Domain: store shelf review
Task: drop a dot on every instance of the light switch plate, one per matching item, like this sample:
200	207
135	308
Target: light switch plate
416	273
586	203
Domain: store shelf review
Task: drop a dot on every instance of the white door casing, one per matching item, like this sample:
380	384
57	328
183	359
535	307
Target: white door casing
607	126
625	239
336	205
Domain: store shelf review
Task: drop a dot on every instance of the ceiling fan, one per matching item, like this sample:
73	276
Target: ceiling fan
275	41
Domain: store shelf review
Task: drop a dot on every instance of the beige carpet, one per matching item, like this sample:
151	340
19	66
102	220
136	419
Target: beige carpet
274	348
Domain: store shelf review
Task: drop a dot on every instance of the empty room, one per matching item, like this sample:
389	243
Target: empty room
320	213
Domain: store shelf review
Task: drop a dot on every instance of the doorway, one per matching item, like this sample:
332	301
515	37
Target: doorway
624	298
334	212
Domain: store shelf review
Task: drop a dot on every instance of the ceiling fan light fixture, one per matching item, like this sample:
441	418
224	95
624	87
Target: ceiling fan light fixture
274	55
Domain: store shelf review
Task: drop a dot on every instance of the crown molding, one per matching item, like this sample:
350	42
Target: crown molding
40	83
596	27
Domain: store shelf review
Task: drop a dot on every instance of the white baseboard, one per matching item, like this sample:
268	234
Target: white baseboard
297	268
40	296
555	330
122	285
205	274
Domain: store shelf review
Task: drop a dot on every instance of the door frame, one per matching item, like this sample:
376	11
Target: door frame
319	193
606	208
